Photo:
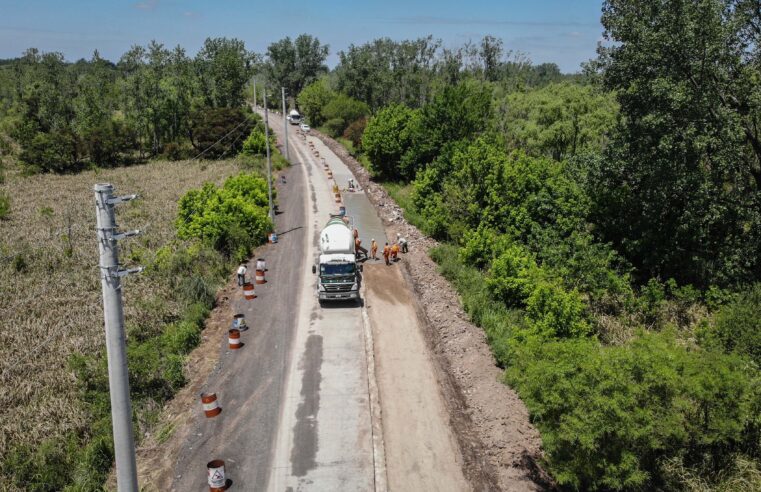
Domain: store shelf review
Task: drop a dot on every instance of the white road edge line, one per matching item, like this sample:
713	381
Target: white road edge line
376	424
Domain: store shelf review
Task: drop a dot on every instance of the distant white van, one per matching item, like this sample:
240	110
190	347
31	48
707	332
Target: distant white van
294	117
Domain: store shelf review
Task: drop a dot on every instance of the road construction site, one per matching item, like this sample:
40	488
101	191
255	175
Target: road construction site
331	396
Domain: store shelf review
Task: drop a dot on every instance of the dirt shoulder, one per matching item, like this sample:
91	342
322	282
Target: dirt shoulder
500	447
420	447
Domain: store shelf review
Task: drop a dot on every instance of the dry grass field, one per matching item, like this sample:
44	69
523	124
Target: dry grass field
50	297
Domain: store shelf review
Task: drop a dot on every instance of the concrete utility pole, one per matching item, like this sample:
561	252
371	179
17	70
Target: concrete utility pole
285	125
116	347
269	158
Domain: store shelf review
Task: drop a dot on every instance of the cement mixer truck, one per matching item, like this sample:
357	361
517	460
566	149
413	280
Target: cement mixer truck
337	267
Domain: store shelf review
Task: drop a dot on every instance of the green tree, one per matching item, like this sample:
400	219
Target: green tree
224	67
679	192
313	99
217	132
558	120
384	71
387	138
342	110
294	64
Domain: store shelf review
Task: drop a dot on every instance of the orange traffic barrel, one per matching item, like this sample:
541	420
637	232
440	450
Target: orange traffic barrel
210	406
233	338
248	291
215	470
260	277
261	264
338	197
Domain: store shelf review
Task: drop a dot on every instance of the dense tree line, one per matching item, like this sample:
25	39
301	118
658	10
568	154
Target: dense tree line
152	101
603	228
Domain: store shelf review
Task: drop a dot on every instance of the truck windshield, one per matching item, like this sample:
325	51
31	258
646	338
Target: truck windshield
337	269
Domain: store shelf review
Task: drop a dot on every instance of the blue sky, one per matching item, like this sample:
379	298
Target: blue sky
562	31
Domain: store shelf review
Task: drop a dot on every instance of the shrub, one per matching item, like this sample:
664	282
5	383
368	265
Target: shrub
55	151
335	126
256	143
5	205
512	275
231	219
738	325
344	108
556	312
220	131
354	132
610	416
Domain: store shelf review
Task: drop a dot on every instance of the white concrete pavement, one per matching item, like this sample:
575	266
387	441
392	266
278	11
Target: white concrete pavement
325	437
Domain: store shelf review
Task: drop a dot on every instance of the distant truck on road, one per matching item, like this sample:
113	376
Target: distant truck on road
294	118
339	272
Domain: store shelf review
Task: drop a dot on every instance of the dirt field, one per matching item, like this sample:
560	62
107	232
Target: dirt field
50	294
421	449
498	443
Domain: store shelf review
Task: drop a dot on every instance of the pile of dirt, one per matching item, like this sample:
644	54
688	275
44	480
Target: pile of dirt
490	420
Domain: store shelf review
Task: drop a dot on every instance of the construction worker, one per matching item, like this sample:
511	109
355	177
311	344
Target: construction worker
402	243
356	233
351	184
358	247
374	249
395	251
386	253
241	274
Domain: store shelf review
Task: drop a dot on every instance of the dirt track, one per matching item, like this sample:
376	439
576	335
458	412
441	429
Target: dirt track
421	449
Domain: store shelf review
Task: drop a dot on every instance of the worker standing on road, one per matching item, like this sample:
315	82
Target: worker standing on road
356	233
242	274
402	243
386	253
374	249
395	251
358	247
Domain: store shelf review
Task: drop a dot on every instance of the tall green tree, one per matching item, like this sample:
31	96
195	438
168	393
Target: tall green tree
679	193
224	68
294	64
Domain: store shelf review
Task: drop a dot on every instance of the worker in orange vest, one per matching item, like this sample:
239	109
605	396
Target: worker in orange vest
374	249
386	253
358	248
395	251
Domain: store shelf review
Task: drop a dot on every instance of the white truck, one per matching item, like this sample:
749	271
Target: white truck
294	117
339	272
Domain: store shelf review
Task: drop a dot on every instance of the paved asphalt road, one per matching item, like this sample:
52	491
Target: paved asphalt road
249	382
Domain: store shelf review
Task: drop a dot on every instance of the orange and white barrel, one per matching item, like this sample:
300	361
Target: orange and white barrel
260	277
210	406
330	173
215	470
248	291
233	338
338	197
261	264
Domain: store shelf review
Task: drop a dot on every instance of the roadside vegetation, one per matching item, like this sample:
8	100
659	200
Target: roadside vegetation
601	228
199	218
